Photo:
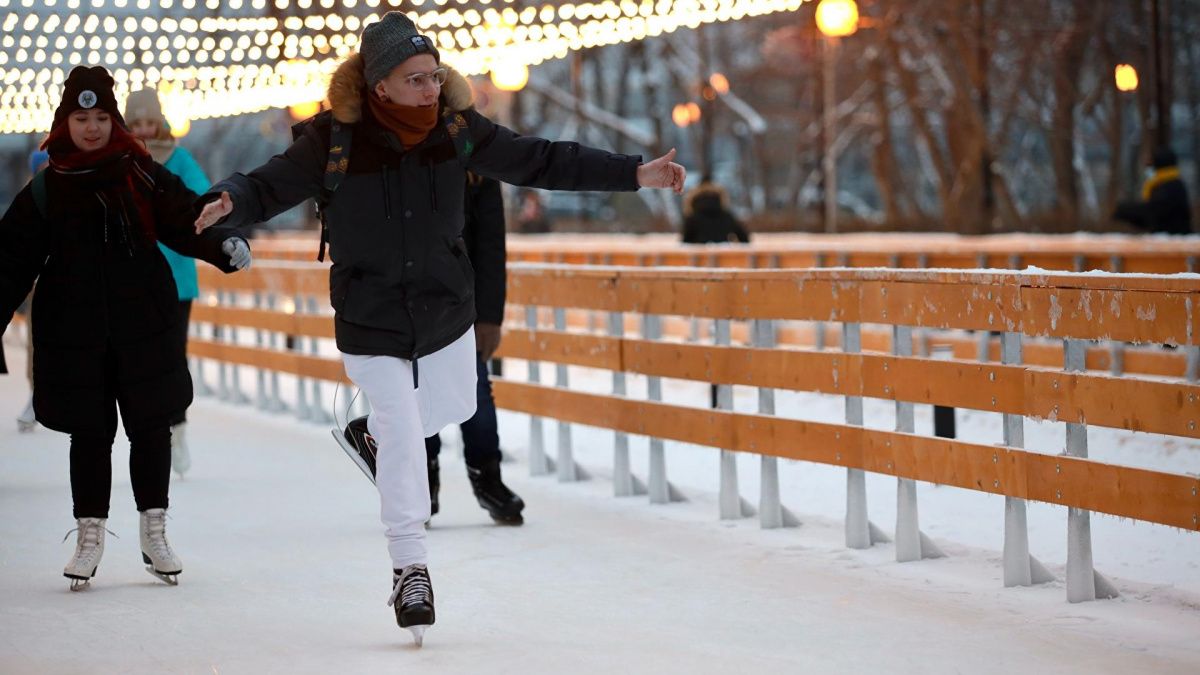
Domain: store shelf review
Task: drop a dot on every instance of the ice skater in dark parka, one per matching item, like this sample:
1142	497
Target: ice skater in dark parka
403	130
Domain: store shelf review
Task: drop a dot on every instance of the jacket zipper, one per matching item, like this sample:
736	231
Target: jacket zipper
432	190
387	195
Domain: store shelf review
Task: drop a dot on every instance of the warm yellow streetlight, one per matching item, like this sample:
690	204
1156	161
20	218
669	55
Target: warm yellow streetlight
680	115
837	18
1127	77
719	82
693	110
510	76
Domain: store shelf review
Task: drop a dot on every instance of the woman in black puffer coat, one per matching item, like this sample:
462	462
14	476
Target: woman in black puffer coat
105	308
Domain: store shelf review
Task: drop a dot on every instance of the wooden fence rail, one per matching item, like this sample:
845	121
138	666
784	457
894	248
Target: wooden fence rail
1071	310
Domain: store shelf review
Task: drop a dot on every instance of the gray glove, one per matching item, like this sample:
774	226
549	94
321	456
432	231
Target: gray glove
238	251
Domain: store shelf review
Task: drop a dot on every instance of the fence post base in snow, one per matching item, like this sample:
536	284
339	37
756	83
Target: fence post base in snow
771	512
1020	568
860	531
658	488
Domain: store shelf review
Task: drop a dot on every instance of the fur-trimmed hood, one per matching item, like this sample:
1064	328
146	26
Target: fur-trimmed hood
347	90
705	197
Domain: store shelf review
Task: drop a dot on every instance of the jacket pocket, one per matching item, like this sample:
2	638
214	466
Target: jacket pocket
453	269
374	303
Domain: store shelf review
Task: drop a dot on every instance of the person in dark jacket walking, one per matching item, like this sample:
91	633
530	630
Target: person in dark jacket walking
1164	206
483	233
707	218
104	312
401	284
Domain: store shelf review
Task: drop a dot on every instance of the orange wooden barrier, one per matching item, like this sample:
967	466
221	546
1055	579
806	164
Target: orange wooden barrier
1136	309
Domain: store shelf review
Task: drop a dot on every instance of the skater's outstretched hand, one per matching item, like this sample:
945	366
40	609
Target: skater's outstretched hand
213	212
238	251
487	340
662	173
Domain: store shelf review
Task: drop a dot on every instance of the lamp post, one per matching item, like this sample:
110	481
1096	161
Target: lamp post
1125	77
835	19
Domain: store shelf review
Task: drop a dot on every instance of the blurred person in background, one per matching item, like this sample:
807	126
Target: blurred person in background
707	218
1164	207
143	112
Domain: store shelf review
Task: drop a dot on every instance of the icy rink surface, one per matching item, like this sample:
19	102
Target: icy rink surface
285	570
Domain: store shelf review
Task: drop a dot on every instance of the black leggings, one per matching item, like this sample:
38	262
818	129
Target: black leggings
181	338
91	469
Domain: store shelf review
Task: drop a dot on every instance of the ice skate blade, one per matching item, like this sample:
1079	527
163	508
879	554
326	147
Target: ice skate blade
418	633
171	579
514	521
80	583
352	454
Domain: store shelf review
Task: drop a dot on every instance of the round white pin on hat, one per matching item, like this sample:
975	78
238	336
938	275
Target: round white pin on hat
87	98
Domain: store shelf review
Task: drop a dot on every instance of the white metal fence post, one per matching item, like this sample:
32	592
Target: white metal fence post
772	513
1083	581
860	531
303	412
275	402
539	463
1020	567
911	543
625	484
660	489
732	506
568	471
317	411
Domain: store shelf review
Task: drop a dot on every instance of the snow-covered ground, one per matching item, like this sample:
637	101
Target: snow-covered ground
286	568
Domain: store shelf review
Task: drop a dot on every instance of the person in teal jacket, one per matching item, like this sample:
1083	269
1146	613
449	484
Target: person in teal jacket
143	112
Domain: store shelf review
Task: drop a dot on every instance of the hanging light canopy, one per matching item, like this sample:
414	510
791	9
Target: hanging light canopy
252	57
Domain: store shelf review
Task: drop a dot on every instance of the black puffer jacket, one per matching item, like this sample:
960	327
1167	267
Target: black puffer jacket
483	231
105	308
401	283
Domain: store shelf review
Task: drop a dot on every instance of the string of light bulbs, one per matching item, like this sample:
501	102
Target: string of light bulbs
242	62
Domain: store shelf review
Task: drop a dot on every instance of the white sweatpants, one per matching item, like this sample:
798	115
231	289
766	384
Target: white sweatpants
401	418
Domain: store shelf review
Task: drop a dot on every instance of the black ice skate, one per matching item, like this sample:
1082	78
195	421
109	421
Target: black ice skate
359	445
493	495
412	598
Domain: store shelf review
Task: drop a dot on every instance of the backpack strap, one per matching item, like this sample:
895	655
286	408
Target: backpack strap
457	128
340	136
38	185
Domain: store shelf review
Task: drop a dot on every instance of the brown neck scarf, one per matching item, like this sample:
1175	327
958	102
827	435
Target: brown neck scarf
410	123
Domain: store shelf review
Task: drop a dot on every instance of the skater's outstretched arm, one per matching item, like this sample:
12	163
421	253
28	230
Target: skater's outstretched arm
24	245
505	155
283	182
174	219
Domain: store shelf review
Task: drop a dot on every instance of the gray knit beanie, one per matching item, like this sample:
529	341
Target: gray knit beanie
389	42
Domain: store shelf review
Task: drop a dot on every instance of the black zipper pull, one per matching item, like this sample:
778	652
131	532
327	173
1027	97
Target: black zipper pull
416	369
